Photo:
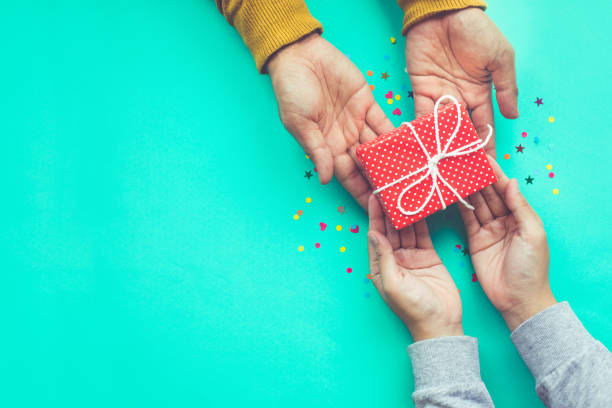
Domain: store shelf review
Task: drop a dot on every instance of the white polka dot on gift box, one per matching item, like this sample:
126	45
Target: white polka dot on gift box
397	153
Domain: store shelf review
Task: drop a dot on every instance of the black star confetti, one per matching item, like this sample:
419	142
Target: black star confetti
520	148
308	174
465	251
538	101
529	180
384	76
411	94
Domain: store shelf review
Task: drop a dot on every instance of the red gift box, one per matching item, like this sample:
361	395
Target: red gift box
427	164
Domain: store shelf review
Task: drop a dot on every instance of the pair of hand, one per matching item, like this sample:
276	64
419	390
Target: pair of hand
326	104
509	252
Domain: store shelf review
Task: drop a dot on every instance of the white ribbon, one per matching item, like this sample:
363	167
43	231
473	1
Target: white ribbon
431	168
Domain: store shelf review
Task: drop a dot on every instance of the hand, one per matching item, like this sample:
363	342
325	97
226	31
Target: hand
459	53
509	250
326	104
409	275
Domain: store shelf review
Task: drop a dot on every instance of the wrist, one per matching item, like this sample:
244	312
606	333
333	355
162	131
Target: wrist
286	53
519	313
425	333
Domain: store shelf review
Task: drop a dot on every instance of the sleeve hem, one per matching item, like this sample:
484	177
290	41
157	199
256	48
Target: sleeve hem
418	10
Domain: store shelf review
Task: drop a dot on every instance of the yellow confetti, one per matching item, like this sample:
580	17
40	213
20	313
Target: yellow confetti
338	227
393	40
342	249
296	217
308	200
555	191
390	101
398	97
549	167
307	156
301	248
551	119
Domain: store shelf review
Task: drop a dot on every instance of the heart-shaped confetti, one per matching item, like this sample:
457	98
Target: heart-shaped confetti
397	111
354	228
323	226
389	95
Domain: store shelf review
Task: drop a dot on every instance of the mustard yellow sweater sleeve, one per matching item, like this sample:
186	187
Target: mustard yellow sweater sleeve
268	25
417	10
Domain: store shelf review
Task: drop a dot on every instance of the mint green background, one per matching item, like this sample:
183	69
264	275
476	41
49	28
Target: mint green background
148	251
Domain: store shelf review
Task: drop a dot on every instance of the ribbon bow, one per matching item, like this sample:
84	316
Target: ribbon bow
431	168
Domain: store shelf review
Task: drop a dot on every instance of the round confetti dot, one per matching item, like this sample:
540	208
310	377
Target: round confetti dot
317	245
555	191
349	270
393	40
301	248
307	156
300	212
296	217
370	73
371	87
524	134
342	249
338	227
368	276
551	119
398	97
506	156
551	174
390	101
308	200
367	294
549	167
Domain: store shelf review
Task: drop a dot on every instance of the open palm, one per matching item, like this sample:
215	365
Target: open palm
411	278
326	104
461	53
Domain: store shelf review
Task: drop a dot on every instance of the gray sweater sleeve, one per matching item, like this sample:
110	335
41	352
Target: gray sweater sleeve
447	373
570	367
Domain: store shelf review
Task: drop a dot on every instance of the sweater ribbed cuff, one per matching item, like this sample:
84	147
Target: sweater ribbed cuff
550	338
267	26
418	10
445	360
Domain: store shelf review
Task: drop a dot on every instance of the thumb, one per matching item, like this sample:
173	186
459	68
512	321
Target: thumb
524	215
384	257
504	78
324	163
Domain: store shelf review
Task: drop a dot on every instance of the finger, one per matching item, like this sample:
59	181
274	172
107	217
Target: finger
423	105
524	215
494	202
503	72
377	121
314	145
423	239
502	179
472	226
376	223
392	234
482	117
385	259
352	180
481	209
407	237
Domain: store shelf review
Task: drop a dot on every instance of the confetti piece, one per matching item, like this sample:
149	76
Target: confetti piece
555	191
307	156
462	264
536	140
474	278
371	87
322	225
387	57
308	174
524	134
529	180
393	40
368	276
519	148
390	101
551	119
308	200
301	248
317	245
551	174
389	95
354	228
398	97
349	270
369	73
300	212
338	227
397	111
342	249
549	167
367	294
539	101
456	249
536	172
341	210
384	76
506	156
296	217
458	246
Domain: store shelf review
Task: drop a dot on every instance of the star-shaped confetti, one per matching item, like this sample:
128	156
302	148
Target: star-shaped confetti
384	76
520	148
529	180
411	94
465	251
538	101
308	174
341	210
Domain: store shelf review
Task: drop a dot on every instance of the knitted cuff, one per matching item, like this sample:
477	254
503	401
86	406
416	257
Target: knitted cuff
418	10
